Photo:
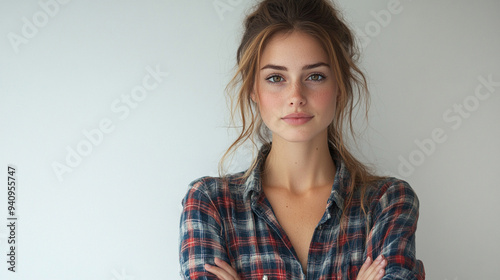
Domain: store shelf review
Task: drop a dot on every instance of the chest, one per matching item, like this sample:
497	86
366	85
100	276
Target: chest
299	215
257	245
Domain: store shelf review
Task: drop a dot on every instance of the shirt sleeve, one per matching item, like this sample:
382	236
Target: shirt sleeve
201	234
395	216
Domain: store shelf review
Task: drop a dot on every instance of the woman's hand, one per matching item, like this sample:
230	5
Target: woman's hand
372	270
223	270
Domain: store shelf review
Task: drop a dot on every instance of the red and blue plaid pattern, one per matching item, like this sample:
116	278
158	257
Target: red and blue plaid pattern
232	220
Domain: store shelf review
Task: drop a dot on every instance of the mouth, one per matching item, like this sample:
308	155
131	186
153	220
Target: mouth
297	118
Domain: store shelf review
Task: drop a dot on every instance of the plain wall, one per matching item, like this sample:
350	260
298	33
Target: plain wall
106	205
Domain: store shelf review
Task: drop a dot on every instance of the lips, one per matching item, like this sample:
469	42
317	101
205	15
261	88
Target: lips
297	118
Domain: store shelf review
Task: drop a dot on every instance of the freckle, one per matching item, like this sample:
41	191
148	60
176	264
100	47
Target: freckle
317	148
295	162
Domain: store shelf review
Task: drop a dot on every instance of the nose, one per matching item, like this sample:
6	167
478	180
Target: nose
297	97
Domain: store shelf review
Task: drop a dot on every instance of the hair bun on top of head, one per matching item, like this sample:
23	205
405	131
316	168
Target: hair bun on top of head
297	15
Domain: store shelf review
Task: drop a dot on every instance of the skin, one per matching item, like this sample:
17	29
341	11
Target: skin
295	77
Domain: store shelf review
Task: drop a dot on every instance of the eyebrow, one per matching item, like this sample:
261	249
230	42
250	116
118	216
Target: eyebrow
283	68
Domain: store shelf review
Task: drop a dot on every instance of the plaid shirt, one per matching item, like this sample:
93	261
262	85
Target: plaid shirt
234	221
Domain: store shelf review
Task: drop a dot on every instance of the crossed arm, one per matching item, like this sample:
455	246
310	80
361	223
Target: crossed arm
371	270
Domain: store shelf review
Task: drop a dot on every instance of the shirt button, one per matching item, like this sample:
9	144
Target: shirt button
265	277
320	227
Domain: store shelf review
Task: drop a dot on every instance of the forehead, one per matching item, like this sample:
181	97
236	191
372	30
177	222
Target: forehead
293	49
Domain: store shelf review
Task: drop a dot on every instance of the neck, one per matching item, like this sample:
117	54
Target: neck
299	167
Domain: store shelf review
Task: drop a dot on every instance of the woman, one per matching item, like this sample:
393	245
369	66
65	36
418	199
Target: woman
306	208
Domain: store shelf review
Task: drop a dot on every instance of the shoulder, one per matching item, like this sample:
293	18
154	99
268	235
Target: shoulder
215	189
393	191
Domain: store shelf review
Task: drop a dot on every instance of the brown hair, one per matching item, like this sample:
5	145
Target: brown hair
320	19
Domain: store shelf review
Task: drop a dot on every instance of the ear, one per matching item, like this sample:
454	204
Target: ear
253	96
338	94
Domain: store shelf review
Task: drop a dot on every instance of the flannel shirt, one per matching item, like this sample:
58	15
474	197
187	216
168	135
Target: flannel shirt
233	220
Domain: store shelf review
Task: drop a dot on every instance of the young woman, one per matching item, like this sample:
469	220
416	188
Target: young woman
306	208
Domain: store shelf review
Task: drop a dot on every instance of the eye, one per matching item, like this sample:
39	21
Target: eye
316	77
275	79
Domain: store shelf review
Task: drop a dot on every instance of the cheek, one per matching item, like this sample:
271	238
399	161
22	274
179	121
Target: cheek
268	103
327	102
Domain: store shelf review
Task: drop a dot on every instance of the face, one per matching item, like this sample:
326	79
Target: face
295	89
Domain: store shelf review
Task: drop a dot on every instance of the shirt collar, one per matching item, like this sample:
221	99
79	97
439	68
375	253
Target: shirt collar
253	184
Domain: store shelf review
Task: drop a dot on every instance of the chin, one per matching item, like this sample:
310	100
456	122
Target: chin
295	137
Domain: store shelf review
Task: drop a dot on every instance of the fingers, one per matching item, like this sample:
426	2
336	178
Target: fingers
222	270
365	266
224	265
373	270
377	269
219	272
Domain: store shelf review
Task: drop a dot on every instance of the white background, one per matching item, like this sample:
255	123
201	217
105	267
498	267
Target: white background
116	214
